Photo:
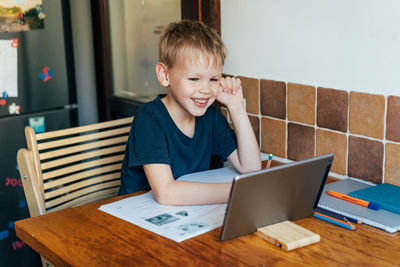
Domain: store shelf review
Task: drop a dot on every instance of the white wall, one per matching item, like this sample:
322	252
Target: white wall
352	45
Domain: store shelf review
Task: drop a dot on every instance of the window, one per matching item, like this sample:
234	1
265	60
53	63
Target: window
135	27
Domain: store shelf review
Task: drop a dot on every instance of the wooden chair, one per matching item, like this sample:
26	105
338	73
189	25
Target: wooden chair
71	167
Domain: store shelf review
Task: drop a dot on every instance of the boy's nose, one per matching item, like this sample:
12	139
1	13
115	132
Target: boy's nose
207	88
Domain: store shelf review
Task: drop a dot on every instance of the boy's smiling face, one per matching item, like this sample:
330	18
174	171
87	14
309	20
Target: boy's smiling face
193	85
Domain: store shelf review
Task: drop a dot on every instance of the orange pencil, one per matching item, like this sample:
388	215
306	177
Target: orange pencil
354	200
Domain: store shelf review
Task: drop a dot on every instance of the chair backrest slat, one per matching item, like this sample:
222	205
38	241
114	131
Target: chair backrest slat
82	138
82	129
79	148
107	193
73	166
80	192
82	156
85	183
82	166
81	175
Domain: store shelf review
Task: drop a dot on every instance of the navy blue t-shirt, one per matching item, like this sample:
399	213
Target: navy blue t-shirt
155	138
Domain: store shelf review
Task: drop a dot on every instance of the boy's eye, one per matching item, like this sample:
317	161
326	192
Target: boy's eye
193	79
214	80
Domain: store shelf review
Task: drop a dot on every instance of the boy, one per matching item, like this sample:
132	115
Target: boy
177	133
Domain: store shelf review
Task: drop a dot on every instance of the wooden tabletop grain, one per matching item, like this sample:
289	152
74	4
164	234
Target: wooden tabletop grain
86	236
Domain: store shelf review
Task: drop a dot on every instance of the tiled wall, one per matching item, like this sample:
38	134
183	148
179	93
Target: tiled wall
297	121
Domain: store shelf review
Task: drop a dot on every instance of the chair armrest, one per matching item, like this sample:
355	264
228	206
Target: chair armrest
31	183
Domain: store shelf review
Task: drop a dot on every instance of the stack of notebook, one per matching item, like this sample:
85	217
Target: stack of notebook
386	195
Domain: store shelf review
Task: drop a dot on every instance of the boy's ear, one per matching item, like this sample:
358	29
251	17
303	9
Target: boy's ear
162	74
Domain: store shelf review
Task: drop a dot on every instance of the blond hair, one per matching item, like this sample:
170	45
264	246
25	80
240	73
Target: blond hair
184	38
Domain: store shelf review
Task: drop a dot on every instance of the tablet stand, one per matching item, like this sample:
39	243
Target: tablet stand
288	235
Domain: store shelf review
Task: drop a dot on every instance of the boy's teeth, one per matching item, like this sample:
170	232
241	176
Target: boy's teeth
200	101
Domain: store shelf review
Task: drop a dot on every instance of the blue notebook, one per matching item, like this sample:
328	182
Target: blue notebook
386	195
382	219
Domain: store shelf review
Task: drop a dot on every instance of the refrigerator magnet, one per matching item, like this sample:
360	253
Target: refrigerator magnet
5	95
46	74
14	109
37	123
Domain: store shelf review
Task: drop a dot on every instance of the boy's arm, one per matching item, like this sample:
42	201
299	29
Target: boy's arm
246	157
168	191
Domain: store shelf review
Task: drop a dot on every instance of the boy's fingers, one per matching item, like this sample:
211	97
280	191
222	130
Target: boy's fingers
239	82
236	86
223	84
229	84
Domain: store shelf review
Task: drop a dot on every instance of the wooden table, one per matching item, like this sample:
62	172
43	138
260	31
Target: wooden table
86	236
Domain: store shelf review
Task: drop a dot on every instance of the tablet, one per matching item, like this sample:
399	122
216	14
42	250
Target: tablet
268	196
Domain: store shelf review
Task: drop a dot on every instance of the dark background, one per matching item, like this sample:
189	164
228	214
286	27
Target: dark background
54	100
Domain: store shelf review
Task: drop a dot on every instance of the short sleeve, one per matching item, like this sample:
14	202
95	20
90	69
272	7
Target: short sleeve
224	138
147	142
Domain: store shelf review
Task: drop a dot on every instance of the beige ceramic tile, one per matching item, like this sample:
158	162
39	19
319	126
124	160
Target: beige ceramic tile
392	165
335	143
273	136
251	88
367	114
301	103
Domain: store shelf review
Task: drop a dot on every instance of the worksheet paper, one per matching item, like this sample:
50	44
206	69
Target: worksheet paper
175	222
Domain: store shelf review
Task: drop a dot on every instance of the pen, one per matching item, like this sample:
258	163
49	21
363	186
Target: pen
331	213
354	200
334	221
270	156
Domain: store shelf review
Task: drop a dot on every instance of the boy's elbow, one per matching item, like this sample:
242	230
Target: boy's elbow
251	168
162	197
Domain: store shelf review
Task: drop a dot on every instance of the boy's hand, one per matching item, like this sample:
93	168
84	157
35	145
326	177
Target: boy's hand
231	93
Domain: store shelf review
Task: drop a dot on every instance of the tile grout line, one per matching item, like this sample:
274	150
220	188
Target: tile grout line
384	138
286	120
348	133
315	119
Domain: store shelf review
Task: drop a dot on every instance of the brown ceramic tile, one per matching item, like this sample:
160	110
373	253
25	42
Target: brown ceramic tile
273	98
251	94
301	103
367	113
301	141
273	137
365	159
335	143
332	106
393	119
255	123
224	112
392	165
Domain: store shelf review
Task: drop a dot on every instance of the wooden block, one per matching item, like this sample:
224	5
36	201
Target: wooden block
288	235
